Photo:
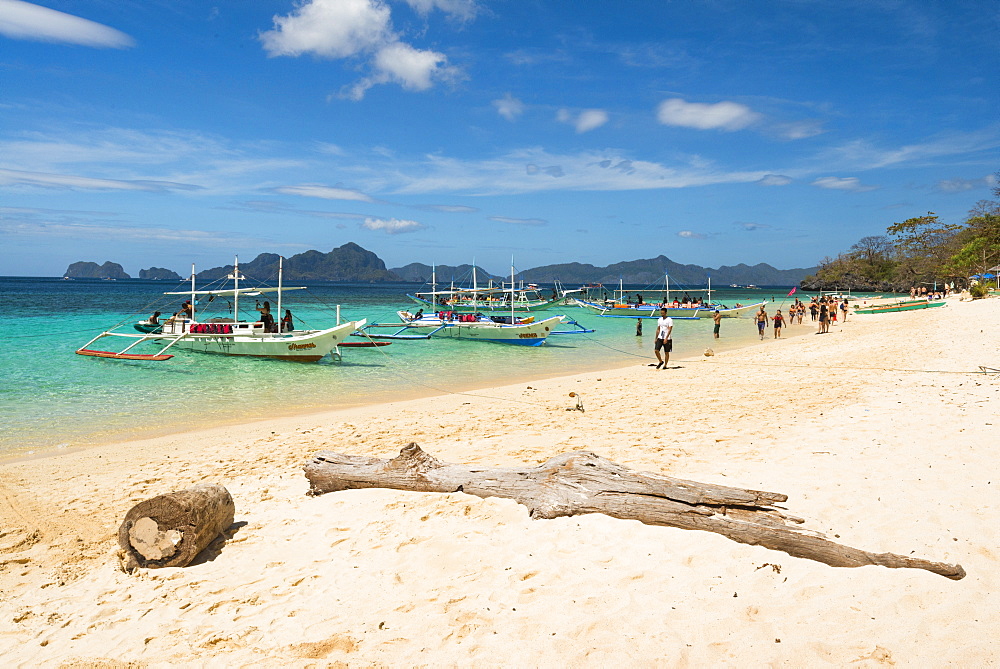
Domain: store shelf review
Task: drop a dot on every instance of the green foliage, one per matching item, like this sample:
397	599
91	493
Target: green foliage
979	290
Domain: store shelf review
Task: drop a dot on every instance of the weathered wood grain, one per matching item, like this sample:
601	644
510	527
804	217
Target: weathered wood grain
170	530
582	482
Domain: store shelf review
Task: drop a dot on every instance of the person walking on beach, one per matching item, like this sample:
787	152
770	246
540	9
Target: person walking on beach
779	322
664	328
843	309
717	317
761	319
824	319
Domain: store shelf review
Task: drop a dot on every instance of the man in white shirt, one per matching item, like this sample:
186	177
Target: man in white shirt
664	326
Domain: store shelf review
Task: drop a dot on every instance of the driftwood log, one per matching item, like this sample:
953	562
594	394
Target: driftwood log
582	482
170	530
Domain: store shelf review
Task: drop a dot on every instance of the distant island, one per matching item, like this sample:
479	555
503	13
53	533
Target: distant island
91	270
352	263
159	274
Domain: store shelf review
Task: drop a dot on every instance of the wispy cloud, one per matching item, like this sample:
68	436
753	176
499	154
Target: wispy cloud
448	208
727	116
851	184
392	226
690	234
509	107
519	221
585	121
120	233
751	227
863	155
27	21
362	29
775	180
324	192
536	170
961	185
76	182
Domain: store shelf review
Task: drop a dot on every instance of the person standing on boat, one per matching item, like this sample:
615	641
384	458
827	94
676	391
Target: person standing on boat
155	318
286	321
717	317
664	328
266	319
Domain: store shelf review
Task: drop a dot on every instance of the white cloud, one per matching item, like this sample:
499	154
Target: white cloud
851	184
325	192
690	234
392	226
727	116
585	121
509	107
359	28
775	180
412	68
23	20
519	221
329	28
120	233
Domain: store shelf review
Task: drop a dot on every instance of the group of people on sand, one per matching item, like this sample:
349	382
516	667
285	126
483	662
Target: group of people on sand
823	310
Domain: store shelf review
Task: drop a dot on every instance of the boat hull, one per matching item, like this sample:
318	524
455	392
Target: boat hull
906	306
653	310
307	346
527	334
498	306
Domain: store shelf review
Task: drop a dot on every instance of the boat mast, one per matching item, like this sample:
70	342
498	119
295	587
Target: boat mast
710	290
666	279
281	268
512	290
236	292
192	291
434	287
475	286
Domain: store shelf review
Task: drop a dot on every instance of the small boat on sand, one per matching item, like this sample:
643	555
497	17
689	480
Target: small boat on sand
902	305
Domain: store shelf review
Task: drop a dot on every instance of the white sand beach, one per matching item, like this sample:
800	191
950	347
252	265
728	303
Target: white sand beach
883	434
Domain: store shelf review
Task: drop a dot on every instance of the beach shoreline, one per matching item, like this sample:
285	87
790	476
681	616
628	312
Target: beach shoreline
415	391
876	432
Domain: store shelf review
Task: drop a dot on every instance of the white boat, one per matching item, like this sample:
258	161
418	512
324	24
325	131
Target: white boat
228	335
474	327
621	308
485	298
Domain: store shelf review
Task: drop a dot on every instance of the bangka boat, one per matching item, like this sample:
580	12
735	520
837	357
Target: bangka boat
904	305
488	297
620	307
475	327
227	335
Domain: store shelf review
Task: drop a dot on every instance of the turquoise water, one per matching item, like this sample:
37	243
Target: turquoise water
51	398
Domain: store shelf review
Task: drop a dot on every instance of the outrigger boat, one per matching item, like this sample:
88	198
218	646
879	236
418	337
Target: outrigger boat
229	335
475	327
902	305
619	308
485	298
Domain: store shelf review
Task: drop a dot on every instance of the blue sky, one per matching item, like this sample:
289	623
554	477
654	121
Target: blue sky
714	132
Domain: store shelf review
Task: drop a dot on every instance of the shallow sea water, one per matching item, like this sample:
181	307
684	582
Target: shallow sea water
51	398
